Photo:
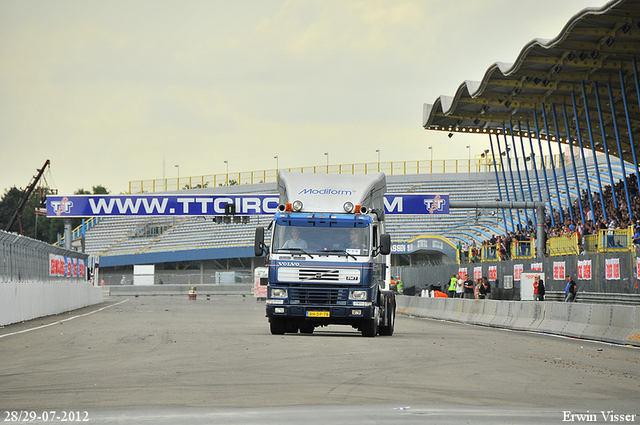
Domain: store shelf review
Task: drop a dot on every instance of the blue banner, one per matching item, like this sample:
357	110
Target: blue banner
203	205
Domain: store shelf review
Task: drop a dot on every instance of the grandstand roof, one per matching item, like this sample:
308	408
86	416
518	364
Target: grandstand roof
598	47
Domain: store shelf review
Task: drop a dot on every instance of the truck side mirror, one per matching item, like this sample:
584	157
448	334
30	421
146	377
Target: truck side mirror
385	244
258	247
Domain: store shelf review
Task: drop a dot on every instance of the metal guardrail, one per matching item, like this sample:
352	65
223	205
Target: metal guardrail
480	163
24	259
596	298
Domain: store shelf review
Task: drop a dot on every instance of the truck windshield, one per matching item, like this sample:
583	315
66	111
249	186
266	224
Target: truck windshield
292	237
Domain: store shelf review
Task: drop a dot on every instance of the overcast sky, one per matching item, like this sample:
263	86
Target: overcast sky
111	90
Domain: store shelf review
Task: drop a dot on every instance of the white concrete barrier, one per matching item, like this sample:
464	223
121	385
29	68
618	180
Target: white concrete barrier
612	323
22	301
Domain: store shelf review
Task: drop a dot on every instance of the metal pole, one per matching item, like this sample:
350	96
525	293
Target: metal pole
504	220
584	161
604	143
564	170
631	143
515	153
506	185
553	165
573	159
513	184
593	150
624	172
546	179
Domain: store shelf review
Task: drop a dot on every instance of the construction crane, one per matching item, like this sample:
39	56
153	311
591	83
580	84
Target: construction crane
26	197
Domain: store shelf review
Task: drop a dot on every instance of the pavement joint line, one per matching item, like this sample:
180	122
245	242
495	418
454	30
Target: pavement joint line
65	320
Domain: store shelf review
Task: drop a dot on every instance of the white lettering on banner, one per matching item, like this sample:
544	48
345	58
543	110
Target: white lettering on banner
219	203
102	205
203	203
265	205
397	203
251	204
128	205
154	205
185	204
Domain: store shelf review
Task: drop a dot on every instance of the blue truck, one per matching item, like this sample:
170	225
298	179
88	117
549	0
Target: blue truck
328	255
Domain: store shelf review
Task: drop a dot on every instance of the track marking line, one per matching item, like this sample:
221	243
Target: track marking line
65	320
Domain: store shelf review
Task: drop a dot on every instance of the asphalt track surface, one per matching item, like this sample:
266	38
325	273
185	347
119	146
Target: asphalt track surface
171	360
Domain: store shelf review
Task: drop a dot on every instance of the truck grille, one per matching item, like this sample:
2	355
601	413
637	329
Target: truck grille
318	295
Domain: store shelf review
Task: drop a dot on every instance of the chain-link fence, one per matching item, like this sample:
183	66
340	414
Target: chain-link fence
23	259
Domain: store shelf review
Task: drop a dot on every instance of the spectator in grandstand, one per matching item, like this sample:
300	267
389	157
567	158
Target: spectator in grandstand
295	241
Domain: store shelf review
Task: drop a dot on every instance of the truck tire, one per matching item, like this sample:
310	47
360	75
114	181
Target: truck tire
390	312
306	327
370	328
278	326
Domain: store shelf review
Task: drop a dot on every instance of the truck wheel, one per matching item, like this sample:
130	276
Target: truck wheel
278	326
306	327
370	328
391	318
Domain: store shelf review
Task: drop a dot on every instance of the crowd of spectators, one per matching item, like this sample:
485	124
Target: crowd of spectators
525	237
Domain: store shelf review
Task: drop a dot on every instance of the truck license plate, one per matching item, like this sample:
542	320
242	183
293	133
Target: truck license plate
317	314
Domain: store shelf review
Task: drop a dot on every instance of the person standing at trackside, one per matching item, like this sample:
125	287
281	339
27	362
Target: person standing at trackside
459	287
123	281
482	289
570	291
452	286
541	289
536	288
468	288
399	285
487	287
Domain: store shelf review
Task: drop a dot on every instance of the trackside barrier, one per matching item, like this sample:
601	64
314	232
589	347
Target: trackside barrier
21	301
611	323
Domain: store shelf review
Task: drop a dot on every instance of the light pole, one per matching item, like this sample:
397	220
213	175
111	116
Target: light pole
469	147
277	166
227	162
431	150
327	155
431	162
178	181
378	152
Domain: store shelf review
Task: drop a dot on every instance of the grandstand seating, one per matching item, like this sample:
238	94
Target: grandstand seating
129	235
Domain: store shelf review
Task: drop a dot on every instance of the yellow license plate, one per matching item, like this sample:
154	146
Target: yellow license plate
317	314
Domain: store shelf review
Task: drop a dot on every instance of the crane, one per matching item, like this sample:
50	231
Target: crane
26	196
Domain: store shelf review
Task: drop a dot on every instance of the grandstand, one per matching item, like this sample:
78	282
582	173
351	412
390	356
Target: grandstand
114	238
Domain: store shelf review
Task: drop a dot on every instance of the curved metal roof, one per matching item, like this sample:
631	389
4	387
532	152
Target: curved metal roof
598	47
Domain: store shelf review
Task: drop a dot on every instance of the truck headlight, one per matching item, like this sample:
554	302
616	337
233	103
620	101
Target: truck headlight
348	207
278	293
358	295
297	205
